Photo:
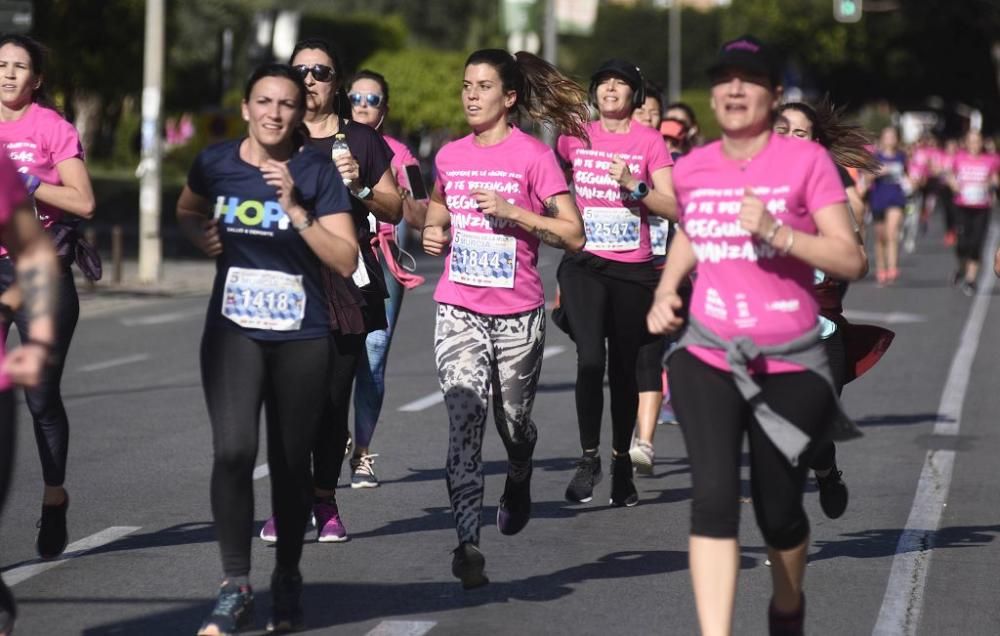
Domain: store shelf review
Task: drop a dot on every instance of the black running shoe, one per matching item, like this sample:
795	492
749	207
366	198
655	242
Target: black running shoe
515	506
623	491
467	565
8	609
588	474
832	493
233	611
782	624
52	534
286	596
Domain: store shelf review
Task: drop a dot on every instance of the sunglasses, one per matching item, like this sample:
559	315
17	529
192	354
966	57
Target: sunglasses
320	72
374	100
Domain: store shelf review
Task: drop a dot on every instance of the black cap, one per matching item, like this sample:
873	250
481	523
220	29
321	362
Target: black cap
749	54
619	68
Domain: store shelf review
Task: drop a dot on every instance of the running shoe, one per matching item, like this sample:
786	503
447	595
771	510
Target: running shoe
286	599
467	565
363	472
329	527
233	611
832	493
269	532
8	609
588	474
642	457
969	289
514	511
623	491
950	238
786	624
52	534
956	278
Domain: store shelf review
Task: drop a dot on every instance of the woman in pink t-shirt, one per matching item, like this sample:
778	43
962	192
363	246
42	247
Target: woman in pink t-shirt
759	214
499	194
973	178
621	176
36	272
46	150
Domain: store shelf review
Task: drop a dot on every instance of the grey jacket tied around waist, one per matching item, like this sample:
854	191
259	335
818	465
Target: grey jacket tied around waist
805	351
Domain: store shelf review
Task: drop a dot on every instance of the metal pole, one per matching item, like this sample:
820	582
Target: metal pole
674	38
550	51
150	248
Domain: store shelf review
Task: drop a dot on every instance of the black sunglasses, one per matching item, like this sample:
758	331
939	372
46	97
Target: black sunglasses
372	99
320	72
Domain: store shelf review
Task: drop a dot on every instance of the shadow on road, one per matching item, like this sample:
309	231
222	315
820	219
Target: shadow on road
902	419
873	544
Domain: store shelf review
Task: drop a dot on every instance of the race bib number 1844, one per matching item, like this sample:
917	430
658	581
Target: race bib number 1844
483	260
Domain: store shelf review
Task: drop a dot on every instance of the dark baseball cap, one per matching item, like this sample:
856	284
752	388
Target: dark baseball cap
747	53
619	68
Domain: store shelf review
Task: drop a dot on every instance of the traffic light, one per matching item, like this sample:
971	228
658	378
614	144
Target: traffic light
847	10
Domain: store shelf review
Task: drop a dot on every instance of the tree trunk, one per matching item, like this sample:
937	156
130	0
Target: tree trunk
87	108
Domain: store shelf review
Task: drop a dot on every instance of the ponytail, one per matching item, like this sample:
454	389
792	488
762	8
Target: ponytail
847	143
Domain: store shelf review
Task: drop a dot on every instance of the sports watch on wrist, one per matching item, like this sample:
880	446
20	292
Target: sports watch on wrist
640	191
365	194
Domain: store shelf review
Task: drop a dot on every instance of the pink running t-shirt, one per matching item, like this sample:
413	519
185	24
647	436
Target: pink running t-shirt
974	174
744	287
12	194
617	229
491	264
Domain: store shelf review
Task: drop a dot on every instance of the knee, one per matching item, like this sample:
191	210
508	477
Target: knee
715	515
784	531
590	366
235	458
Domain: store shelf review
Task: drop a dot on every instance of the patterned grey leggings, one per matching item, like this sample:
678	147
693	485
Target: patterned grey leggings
476	353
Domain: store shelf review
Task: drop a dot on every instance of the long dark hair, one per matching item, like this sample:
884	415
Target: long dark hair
39	55
847	143
542	91
341	105
273	69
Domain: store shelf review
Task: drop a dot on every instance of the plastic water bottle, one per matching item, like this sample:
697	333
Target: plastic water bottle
339	149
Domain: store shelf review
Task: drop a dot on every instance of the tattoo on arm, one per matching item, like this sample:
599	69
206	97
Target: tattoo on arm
551	209
37	292
549	237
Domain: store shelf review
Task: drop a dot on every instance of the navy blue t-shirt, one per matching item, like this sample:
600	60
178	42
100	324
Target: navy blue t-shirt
267	280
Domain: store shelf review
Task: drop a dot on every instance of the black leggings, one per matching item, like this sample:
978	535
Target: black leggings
289	379
970	225
649	366
714	417
600	308
8	436
334	430
45	400
825	455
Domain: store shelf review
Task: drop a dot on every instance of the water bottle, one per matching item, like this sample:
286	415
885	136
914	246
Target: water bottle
339	149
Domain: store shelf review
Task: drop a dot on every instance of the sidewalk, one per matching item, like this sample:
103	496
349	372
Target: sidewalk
179	279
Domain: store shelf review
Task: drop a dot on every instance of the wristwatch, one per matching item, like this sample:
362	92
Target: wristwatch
365	194
303	226
640	192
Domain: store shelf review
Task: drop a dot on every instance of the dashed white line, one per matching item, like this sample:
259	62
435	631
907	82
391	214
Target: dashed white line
402	628
21	573
431	399
904	593
261	472
114	362
886	318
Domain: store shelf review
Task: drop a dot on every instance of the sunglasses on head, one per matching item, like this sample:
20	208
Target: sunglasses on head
374	100
320	72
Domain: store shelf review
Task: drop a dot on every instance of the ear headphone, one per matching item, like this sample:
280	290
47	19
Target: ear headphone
638	93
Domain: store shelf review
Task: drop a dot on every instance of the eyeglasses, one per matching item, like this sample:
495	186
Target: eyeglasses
374	100
320	72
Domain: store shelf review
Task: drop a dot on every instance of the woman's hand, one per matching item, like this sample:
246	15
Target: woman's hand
662	317
348	167
492	204
276	174
754	218
25	363
619	171
435	239
209	241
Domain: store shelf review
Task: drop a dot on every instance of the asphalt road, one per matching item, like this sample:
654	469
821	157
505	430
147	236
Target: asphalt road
916	552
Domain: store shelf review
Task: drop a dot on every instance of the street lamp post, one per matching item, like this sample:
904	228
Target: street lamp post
150	247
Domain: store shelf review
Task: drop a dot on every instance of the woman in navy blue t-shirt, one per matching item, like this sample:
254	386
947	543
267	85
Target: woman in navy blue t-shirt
273	213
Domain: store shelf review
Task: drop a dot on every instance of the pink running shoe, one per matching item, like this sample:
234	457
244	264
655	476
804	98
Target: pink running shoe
269	532
330	529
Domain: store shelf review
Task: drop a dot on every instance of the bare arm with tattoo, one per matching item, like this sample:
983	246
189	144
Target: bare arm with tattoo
560	226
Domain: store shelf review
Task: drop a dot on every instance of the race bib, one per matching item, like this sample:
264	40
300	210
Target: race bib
483	260
658	231
612	229
975	194
360	275
264	299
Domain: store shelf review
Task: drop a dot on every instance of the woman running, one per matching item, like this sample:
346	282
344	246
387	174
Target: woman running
46	150
273	214
759	214
621	177
499	194
887	200
973	179
650	113
37	273
356	304
847	146
369	95
683	113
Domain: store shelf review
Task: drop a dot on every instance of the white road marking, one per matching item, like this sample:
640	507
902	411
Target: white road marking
114	362
402	628
164	318
21	573
436	398
885	318
904	593
261	472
